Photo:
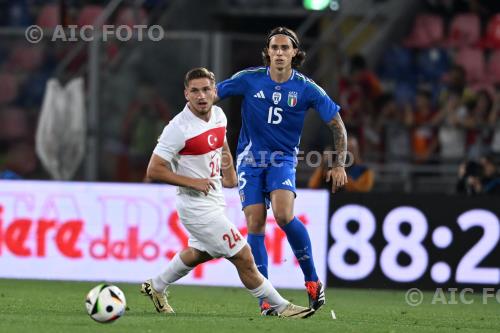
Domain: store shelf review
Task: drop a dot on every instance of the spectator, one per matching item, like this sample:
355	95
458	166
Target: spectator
469	178
358	90
455	83
20	162
393	123
491	175
360	177
451	133
477	124
494	122
481	177
423	136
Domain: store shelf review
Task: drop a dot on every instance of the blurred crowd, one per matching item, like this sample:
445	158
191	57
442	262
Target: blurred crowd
433	98
443	126
26	67
479	177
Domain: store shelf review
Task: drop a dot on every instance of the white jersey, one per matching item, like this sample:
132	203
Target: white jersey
194	149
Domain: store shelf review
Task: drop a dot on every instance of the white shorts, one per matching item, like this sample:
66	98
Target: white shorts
218	236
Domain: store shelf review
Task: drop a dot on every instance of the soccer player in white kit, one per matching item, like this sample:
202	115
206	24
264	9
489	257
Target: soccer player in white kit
189	154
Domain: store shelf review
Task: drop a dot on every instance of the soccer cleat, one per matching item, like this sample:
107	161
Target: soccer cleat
159	299
316	293
296	311
267	310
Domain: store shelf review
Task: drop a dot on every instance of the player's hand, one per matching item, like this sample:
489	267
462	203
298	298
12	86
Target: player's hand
202	185
338	177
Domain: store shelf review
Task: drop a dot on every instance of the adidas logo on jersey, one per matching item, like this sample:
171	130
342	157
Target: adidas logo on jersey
260	94
287	182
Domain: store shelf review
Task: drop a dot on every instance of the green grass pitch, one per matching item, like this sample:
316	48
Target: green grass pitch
54	306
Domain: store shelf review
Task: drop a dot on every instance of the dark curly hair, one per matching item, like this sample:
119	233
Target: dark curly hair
299	58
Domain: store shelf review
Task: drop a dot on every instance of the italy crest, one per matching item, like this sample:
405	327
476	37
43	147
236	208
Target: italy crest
292	98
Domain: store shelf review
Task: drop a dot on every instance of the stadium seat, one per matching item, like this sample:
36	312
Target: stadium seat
493	66
397	64
404	92
492	37
9	86
25	57
465	30
19	14
428	31
48	17
473	62
32	90
432	64
127	16
89	14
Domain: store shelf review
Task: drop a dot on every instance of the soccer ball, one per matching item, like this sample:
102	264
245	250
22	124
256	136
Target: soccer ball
105	303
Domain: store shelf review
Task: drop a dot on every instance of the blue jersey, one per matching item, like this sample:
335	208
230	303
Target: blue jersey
273	113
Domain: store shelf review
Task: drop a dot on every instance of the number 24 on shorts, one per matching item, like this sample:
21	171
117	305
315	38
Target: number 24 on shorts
232	242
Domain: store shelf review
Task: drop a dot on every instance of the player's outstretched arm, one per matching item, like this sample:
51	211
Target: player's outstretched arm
229	177
161	170
337	171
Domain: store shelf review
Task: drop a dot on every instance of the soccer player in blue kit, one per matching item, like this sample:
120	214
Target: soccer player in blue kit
276	98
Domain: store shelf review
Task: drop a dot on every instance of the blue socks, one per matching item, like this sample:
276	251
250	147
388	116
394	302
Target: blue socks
259	252
256	242
299	240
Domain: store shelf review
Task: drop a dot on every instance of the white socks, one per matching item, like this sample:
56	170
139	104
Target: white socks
267	291
174	271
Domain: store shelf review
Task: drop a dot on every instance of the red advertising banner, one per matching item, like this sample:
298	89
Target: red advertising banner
128	232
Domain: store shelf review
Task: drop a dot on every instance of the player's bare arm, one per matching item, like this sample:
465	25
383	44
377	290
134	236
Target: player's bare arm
229	177
161	170
337	172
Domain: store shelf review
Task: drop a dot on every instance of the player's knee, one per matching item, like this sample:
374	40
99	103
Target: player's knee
193	257
282	217
256	226
255	222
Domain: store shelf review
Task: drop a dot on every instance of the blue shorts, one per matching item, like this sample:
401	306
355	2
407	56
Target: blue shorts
256	183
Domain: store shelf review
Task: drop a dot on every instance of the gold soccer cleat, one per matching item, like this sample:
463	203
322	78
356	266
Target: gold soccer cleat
159	299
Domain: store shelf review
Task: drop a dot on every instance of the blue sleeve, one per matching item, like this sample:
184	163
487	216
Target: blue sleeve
322	103
232	86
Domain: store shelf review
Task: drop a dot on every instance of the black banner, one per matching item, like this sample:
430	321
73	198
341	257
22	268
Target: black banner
403	241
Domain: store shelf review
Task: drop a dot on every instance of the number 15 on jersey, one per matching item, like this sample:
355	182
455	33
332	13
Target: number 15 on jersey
274	116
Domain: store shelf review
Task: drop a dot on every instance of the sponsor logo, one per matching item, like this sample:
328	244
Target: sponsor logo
259	95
